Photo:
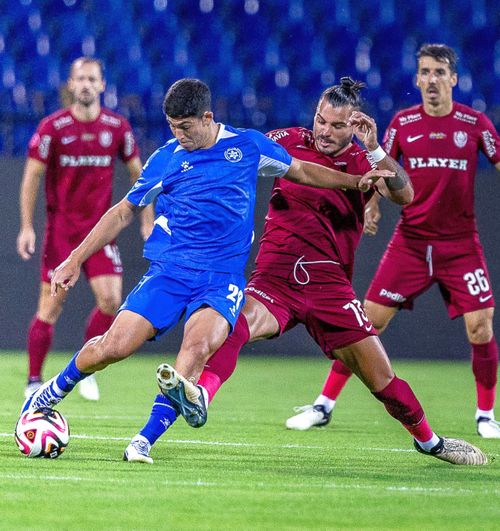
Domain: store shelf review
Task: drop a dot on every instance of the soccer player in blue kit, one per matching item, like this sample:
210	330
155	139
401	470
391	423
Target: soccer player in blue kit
204	185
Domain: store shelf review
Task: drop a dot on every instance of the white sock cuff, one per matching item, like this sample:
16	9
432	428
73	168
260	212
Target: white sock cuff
326	402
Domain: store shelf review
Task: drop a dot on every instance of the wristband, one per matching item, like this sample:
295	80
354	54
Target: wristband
377	154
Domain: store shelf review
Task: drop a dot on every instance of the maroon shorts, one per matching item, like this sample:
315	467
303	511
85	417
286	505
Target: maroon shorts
107	261
411	266
320	296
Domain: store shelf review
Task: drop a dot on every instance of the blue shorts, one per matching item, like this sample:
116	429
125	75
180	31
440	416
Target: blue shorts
166	294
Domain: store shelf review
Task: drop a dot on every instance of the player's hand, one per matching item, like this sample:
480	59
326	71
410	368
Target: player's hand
365	129
26	243
65	275
372	217
369	179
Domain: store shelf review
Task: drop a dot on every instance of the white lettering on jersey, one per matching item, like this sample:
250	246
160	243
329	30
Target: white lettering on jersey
437	162
110	120
63	122
489	143
129	144
278	134
410	118
43	147
463	117
391	135
396	297
85	160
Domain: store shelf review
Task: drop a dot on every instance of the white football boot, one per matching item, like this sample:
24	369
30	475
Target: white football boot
138	451
89	389
488	428
308	417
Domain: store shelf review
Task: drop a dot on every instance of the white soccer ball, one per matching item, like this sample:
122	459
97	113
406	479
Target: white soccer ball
42	433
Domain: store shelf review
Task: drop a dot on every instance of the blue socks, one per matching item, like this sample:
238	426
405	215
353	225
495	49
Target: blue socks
70	376
163	415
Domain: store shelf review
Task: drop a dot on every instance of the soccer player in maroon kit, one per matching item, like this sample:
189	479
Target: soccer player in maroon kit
304	270
436	239
76	148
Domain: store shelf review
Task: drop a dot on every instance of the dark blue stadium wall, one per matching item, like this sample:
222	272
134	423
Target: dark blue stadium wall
426	332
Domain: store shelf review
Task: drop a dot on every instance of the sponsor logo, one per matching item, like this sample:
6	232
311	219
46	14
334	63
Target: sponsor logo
437	136
63	122
110	120
185	166
389	139
105	138
277	135
460	138
484	299
260	293
129	144
463	117
340	163
68	139
410	118
85	160
43	147
489	143
233	154
437	162
396	297
86	137
414	138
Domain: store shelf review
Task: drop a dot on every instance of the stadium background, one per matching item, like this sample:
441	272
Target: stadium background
266	63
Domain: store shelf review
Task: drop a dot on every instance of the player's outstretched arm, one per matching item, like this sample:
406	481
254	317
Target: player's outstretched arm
311	174
134	167
372	216
26	239
105	231
399	188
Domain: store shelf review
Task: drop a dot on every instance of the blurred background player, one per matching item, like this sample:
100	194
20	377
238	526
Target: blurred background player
436	239
76	148
303	275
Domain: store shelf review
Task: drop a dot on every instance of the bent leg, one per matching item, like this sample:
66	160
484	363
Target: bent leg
369	361
379	314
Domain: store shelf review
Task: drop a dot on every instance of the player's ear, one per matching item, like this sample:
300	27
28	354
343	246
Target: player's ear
454	80
207	117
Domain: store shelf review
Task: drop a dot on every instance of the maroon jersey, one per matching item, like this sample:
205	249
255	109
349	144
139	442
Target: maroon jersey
440	155
326	222
80	157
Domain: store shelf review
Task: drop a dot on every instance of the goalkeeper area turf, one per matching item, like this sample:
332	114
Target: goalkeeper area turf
243	469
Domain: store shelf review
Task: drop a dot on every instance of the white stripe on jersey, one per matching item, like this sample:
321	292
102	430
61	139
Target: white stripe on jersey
269	167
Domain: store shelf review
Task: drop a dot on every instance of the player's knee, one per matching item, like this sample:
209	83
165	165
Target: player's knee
480	331
378	315
198	348
108	349
109	304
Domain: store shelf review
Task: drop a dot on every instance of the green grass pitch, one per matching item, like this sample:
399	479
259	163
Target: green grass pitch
244	470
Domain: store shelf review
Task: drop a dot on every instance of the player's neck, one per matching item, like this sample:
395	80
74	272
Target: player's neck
214	133
442	109
85	114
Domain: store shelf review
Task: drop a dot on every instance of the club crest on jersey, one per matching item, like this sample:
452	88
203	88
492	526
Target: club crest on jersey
185	166
233	154
460	138
105	138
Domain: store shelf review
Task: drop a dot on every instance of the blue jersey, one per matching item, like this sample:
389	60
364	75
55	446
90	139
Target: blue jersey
205	198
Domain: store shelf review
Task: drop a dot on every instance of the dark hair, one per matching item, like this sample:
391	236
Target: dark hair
87	60
441	53
347	93
187	97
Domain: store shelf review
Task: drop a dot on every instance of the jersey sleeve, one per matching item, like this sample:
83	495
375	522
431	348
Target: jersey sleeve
489	140
391	140
274	158
150	183
128	144
41	144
